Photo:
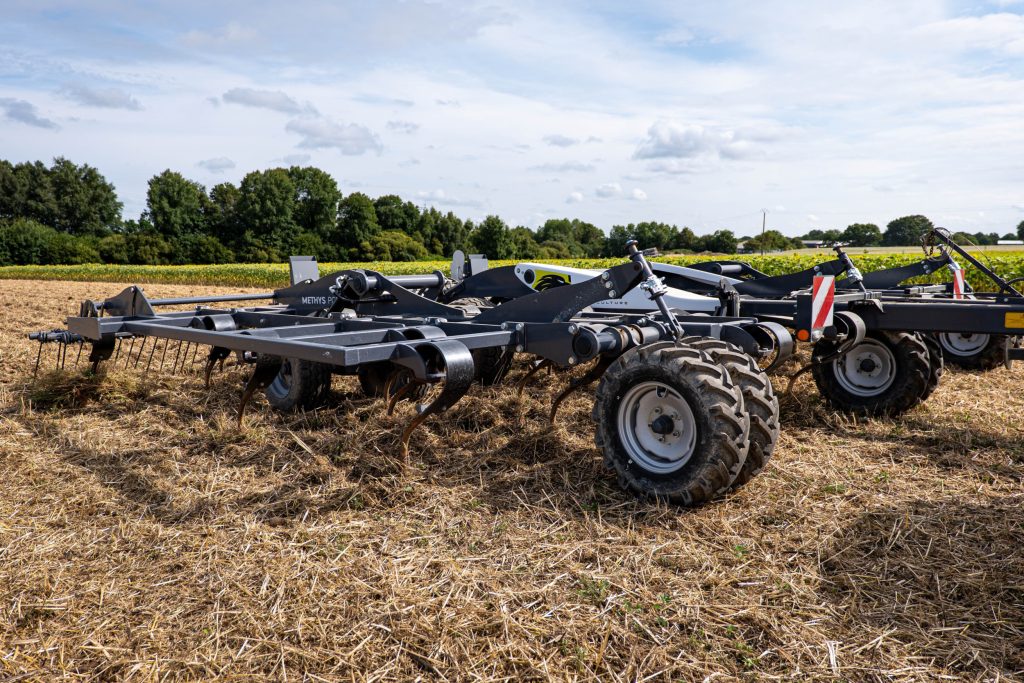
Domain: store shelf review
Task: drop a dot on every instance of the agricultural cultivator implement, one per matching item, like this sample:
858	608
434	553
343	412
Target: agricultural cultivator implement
879	344
682	412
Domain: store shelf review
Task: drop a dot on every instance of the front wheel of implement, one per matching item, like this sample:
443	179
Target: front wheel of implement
672	424
974	351
885	375
759	401
299	385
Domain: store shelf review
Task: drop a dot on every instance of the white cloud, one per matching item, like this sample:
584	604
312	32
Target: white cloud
564	167
638	195
217	164
441	198
232	33
348	138
108	98
675	140
403	126
263	99
557	140
25	112
295	159
574	198
608	190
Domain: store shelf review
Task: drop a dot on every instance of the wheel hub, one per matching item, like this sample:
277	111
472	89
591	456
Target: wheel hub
960	344
657	427
866	370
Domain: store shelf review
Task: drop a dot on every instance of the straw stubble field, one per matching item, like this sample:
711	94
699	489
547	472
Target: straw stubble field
143	536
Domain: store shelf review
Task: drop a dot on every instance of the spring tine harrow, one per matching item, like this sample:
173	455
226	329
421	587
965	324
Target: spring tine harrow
545	364
594	373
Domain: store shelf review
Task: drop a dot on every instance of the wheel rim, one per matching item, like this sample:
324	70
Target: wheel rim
283	381
963	344
866	370
657	427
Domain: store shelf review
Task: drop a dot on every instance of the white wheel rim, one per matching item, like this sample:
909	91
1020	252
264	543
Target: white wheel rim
963	344
283	381
657	427
867	370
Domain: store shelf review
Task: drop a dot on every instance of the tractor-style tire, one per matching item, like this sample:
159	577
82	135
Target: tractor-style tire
373	378
759	400
299	385
975	351
671	424
885	375
937	362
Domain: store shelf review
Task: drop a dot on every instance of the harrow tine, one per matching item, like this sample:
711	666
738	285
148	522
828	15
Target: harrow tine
195	355
177	354
81	345
588	378
128	356
149	361
141	349
521	386
163	354
117	352
39	356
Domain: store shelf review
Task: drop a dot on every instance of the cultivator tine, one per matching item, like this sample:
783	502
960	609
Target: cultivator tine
402	392
588	378
262	375
454	389
39	356
521	386
81	345
117	351
217	354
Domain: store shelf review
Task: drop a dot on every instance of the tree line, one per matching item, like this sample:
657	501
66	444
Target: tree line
70	213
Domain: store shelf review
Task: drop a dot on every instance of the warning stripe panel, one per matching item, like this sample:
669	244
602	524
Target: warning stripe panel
822	301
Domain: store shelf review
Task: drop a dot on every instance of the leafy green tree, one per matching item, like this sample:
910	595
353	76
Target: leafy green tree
357	224
394	214
222	213
771	240
862	235
28	193
493	238
720	242
176	206
201	249
906	231
1020	230
114	249
450	233
392	245
147	247
266	211
316	200
686	239
583	239
24	241
524	245
86	204
648	234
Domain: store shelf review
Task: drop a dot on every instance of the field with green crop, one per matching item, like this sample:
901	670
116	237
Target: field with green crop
1008	264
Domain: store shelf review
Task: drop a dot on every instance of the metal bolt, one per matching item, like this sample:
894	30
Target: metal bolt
605	275
613	294
675	433
572	360
573	329
519	327
504	326
519	348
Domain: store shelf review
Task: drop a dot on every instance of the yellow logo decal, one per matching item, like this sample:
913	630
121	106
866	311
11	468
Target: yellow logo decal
1015	321
546	279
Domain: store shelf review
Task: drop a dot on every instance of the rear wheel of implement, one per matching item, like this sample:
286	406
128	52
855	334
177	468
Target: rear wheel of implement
759	400
373	378
299	385
886	374
974	351
937	362
671	423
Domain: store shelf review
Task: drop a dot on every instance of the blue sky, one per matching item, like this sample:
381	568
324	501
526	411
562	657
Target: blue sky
695	113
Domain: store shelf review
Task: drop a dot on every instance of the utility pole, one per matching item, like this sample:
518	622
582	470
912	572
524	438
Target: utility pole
764	221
